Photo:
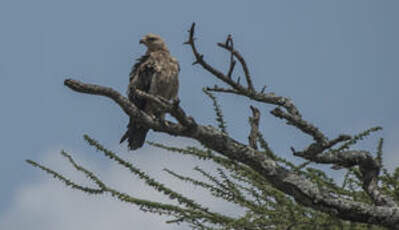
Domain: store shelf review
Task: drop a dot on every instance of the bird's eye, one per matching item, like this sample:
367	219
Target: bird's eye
152	39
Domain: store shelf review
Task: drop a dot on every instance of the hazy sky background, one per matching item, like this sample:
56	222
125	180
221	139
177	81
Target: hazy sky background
338	60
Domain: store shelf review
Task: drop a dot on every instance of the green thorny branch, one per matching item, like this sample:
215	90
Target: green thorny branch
187	211
264	206
355	139
219	115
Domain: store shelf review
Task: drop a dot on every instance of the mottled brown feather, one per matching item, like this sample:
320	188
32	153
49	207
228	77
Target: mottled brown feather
156	73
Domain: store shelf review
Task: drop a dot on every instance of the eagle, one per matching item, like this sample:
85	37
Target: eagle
156	73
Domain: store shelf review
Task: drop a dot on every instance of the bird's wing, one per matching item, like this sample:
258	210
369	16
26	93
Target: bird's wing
140	78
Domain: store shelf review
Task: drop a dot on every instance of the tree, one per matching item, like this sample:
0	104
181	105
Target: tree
274	192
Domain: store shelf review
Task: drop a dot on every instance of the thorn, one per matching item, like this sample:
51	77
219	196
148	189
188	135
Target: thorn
263	89
191	31
186	43
176	102
229	41
293	150
254	109
336	167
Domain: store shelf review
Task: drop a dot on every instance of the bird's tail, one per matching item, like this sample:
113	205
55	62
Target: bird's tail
135	135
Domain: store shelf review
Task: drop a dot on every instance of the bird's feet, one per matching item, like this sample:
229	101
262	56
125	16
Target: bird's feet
160	118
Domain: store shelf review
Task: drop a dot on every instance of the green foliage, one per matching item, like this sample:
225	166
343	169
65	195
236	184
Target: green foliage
259	205
355	139
265	206
218	111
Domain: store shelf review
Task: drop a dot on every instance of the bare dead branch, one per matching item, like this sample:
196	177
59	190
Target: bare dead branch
340	138
254	122
173	108
242	61
236	87
223	90
186	123
200	60
317	148
302	125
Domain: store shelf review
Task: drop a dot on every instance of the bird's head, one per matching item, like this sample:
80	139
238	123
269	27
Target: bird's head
153	42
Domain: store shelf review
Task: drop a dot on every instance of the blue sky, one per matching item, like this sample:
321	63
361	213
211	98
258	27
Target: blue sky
336	59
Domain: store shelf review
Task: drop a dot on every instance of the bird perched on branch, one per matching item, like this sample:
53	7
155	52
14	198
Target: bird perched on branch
156	73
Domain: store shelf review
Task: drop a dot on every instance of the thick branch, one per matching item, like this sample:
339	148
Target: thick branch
304	191
187	124
173	108
254	122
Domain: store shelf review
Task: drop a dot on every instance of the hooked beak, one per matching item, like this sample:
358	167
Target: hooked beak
141	41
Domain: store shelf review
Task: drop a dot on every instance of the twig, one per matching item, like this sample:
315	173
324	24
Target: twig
236	87
230	43
199	59
302	125
242	61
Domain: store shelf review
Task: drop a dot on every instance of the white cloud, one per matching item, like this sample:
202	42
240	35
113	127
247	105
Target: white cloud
47	204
